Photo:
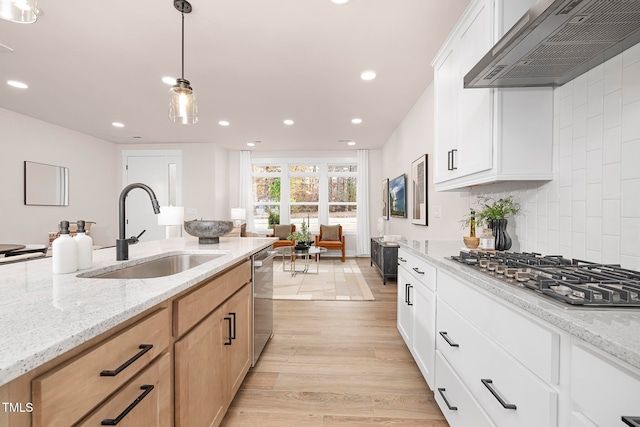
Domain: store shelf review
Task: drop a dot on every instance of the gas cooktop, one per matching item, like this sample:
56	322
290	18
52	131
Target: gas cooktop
571	281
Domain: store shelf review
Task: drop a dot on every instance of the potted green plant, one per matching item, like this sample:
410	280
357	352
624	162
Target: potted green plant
302	238
493	213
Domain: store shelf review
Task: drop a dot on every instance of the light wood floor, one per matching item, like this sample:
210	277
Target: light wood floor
336	363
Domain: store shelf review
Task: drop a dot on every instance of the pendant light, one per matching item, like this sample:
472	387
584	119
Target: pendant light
182	104
20	11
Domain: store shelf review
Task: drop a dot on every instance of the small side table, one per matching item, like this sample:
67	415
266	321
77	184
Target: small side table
291	253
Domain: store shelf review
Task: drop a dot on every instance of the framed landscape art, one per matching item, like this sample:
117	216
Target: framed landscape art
385	198
397	198
418	189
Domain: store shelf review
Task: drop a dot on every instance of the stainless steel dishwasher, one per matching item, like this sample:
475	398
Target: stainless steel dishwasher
262	300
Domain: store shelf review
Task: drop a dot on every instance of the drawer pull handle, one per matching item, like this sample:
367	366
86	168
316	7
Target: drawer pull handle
401	259
143	349
631	421
448	340
489	384
446	402
233	335
417	271
114	421
230	332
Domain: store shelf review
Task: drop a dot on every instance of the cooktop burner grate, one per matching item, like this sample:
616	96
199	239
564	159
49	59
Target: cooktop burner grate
575	282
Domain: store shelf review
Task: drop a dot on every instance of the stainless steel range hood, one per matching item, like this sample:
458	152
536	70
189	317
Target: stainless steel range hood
556	41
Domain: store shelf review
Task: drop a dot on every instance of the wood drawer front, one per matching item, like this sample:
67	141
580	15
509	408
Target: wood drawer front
194	306
154	409
477	358
530	342
418	268
67	393
467	411
601	389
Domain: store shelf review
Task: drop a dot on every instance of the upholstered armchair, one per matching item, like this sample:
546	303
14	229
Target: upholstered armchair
331	238
282	231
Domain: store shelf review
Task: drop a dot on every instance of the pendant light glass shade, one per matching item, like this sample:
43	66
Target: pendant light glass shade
182	103
20	11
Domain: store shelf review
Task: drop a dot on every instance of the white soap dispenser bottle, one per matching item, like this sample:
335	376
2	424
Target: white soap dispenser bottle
85	247
65	251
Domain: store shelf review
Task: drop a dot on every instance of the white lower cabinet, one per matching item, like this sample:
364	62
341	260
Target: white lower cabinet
603	390
417	310
506	390
456	401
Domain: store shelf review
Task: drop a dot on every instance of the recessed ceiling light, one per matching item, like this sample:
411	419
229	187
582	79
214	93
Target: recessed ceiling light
224	123
288	122
17	84
117	124
168	80
340	1
253	143
356	121
368	75
351	143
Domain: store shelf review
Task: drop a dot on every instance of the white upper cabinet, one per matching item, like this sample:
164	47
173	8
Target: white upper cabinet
487	135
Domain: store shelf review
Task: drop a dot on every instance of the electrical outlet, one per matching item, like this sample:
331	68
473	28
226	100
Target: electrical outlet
437	211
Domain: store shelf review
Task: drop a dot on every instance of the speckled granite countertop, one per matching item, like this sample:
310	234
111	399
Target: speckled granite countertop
44	315
615	331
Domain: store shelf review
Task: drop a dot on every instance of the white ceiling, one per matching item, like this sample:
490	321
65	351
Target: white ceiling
254	63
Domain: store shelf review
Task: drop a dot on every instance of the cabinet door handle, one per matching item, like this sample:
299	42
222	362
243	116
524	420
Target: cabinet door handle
114	421
143	349
631	421
489	384
409	295
230	332
417	270
446	402
233	334
449	161
448	340
453	159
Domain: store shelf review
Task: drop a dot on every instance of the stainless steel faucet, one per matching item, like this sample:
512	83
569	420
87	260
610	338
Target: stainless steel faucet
122	244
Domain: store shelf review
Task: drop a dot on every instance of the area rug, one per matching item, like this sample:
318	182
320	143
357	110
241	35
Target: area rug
335	281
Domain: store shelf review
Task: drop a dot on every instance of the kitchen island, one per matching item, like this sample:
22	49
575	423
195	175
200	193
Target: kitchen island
496	353
49	319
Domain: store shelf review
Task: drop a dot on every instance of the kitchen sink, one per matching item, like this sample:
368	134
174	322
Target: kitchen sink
158	267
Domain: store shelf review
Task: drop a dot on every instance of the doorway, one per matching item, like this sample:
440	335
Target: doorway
162	171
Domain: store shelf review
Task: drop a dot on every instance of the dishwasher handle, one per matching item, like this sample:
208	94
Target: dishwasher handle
259	262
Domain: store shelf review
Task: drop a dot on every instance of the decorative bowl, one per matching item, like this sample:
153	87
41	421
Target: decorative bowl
208	231
471	242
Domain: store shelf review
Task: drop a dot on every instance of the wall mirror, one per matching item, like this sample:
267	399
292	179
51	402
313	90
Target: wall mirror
45	185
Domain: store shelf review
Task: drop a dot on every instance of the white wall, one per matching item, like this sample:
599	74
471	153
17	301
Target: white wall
413	138
92	185
591	209
205	176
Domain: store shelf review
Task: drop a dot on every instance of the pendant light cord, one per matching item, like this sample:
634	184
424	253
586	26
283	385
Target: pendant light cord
182	13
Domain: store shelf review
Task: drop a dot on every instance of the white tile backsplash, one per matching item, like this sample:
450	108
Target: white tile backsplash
591	210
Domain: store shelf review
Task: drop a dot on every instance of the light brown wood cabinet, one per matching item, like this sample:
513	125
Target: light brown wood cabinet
143	401
211	361
167	366
65	394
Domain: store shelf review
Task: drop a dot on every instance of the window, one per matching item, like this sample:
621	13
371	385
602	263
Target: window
316	192
266	196
342	202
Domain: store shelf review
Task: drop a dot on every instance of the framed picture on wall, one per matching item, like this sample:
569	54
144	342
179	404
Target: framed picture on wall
418	188
397	196
385	198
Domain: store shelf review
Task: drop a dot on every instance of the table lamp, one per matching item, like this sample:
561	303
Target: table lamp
238	215
171	217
